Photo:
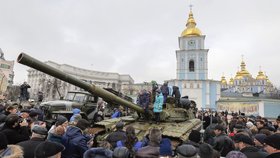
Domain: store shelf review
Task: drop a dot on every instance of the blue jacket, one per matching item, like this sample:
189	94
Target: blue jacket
75	143
136	146
158	103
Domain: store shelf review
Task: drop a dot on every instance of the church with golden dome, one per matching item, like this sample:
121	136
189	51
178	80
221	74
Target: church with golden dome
244	82
192	68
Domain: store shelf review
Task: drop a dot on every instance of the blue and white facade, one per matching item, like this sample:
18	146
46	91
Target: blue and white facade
192	68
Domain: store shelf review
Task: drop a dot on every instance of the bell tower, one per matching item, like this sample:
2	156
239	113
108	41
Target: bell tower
192	58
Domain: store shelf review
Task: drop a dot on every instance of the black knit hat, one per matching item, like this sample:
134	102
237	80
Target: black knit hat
47	149
260	137
4	141
82	124
205	151
220	127
60	120
273	141
194	136
243	138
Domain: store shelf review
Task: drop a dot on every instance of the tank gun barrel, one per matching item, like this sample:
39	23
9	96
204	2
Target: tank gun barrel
107	96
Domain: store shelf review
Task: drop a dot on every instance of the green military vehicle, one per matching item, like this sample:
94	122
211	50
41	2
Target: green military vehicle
176	123
84	101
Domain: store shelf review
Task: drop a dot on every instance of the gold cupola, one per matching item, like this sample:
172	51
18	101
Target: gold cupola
191	29
223	80
244	72
238	76
261	76
231	81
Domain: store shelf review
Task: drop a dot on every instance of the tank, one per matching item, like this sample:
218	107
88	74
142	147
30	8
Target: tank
176	123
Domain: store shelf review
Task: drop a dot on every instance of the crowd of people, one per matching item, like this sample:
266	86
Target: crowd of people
23	134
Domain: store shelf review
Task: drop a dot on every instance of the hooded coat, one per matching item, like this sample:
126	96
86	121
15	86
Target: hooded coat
158	103
75	143
12	151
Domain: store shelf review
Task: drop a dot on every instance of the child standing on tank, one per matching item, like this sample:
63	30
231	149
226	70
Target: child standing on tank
158	105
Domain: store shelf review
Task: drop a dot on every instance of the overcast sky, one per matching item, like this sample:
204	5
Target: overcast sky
139	37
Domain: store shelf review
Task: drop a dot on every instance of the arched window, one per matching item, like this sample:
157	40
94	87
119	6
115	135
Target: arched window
191	66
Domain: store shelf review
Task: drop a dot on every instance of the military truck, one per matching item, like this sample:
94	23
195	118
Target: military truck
84	101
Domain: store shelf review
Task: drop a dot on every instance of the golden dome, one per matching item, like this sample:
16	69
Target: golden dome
191	29
223	80
231	81
261	76
243	71
238	76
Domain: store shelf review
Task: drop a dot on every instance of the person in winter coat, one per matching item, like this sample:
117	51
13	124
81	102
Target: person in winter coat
102	151
144	101
16	130
60	121
38	136
222	143
176	93
131	142
158	105
9	151
246	145
75	141
75	111
272	146
152	150
165	91
118	135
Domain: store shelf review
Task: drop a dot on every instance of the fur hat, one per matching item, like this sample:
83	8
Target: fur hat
98	153
273	141
236	154
4	141
195	136
47	149
165	147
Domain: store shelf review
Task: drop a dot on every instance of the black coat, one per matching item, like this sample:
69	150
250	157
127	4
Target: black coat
223	144
253	152
116	136
29	146
16	135
274	155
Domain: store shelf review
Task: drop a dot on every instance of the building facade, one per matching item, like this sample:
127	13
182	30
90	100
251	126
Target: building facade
245	83
192	68
53	88
6	74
